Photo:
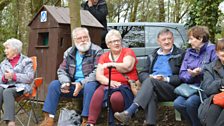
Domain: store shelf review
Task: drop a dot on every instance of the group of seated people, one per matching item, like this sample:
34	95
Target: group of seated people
85	72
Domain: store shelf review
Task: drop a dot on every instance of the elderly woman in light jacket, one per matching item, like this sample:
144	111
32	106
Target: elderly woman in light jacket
16	73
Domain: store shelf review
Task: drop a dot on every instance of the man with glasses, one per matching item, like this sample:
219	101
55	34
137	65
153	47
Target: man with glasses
159	79
76	76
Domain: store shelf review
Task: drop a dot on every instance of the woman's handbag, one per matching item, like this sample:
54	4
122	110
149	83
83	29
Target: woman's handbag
135	86
69	118
218	99
185	90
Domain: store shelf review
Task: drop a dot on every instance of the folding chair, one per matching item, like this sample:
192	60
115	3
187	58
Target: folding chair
29	99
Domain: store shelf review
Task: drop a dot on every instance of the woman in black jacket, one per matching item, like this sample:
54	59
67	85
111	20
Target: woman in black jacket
213	83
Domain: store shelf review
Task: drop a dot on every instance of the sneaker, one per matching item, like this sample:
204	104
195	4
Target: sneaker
122	116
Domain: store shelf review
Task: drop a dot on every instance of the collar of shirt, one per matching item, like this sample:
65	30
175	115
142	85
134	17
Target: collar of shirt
14	61
160	51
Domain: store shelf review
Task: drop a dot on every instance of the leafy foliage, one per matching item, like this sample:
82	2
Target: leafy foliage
205	12
15	15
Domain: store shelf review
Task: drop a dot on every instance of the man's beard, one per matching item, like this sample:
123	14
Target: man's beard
83	47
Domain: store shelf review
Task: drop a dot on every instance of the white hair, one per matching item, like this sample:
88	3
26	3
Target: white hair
14	43
111	34
79	29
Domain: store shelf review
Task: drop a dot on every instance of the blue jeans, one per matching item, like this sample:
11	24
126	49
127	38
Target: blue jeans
188	107
54	94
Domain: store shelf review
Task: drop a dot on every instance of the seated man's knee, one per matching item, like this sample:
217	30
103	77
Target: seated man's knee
148	81
55	84
90	87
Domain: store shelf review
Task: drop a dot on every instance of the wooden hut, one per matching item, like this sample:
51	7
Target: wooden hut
50	36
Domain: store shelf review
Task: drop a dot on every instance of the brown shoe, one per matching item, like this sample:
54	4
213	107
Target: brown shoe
47	122
46	115
84	121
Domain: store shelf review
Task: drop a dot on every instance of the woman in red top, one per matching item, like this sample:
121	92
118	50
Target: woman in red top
124	62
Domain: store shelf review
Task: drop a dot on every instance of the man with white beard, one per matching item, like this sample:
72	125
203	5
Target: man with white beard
76	76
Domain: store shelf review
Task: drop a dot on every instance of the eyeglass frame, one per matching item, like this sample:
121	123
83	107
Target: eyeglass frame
85	37
114	41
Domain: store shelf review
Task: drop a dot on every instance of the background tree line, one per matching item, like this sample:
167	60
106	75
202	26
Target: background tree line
15	15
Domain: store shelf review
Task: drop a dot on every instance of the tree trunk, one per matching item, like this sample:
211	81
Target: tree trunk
134	12
75	19
161	11
176	12
35	6
23	14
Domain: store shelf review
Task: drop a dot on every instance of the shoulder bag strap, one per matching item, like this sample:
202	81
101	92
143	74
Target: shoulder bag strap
121	73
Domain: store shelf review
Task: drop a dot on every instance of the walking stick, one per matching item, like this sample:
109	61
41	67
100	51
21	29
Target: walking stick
109	94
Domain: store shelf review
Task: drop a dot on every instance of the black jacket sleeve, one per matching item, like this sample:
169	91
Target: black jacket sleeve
146	70
99	11
211	84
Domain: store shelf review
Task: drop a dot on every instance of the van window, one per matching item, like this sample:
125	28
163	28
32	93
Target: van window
152	32
133	36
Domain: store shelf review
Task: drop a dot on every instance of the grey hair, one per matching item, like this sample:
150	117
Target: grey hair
14	44
78	29
165	30
112	33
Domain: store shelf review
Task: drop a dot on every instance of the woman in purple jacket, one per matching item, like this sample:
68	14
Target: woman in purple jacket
200	53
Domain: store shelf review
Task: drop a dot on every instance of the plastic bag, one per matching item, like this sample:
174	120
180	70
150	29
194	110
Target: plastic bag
218	99
69	118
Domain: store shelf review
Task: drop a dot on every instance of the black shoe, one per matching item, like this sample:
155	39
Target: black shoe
122	117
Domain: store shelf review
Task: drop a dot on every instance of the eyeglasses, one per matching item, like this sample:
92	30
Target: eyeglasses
82	37
114	41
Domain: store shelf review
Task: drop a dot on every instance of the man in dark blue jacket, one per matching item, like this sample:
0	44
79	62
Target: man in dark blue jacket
159	79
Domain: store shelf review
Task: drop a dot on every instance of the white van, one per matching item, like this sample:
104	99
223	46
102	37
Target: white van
142	36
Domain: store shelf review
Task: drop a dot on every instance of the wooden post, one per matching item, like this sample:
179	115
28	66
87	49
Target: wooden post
75	19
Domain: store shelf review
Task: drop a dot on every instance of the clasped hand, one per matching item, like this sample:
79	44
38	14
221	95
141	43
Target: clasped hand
115	84
66	86
8	75
158	77
106	65
194	72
